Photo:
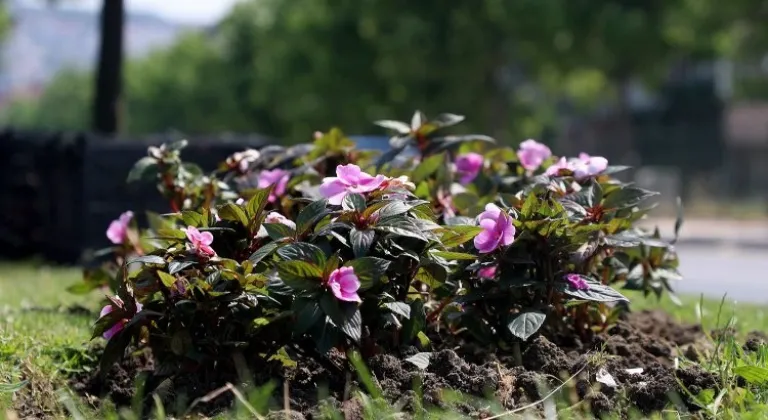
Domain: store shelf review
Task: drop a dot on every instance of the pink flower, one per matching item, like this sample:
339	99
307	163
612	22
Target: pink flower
468	166
576	281
275	217
344	284
277	177
200	242
446	201
498	229
349	179
108	334
561	164
118	229
588	166
487	272
532	154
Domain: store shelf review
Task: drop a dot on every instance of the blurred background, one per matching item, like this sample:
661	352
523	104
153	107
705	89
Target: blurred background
676	88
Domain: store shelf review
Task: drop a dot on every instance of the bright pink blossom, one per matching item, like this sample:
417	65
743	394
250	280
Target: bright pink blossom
118	229
344	284
588	166
498	229
487	272
349	179
108	334
200	242
277	177
275	217
468	166
532	154
576	281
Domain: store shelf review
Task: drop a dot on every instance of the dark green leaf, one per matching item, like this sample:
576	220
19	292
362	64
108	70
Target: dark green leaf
355	202
148	259
262	252
300	275
361	241
309	215
352	325
450	255
144	169
303	251
400	308
233	212
389	155
308	313
114	351
176	266
277	231
456	235
192	218
258	202
401	227
526	324
393	208
597	293
416	323
369	270
627	197
420	360
531	204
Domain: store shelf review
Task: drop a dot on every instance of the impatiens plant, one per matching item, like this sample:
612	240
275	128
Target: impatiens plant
321	246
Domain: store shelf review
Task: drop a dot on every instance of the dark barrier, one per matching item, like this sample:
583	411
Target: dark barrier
59	191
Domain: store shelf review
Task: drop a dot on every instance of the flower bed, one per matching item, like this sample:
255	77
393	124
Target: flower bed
447	260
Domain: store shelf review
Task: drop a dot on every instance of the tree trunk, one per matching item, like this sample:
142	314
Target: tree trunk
106	104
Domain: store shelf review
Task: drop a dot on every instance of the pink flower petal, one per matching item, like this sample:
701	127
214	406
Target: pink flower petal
334	190
206	238
349	174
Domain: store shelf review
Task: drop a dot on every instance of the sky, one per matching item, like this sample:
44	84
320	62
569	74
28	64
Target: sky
187	11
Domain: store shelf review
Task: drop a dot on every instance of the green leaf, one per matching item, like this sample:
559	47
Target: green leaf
401	227
144	169
167	279
277	231
331	264
450	255
427	167
308	313
171	233
258	202
192	218
392	208
310	215
354	202
148	259
627	197
531	204
526	324
114	351
303	251
420	360
597	293
416	323
456	235
400	127
369	270
262	252
176	266
361	241
752	374
400	308
352	325
233	212
300	275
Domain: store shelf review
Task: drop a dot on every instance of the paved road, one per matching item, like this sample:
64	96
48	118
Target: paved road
716	270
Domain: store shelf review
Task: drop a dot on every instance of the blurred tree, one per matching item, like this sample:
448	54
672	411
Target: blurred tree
109	68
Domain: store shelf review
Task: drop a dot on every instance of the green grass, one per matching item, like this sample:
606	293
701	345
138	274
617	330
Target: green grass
41	339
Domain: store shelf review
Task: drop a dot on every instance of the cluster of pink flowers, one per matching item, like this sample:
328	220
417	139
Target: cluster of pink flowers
532	154
350	179
344	284
200	242
468	166
583	167
498	229
117	231
576	281
120	324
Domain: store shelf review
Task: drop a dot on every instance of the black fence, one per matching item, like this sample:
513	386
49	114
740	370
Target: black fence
59	191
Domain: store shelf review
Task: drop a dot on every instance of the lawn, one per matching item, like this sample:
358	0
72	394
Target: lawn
44	330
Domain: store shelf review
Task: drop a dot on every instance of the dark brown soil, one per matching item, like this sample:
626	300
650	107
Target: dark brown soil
649	340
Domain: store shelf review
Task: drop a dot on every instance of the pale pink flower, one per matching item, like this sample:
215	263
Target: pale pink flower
468	166
487	272
344	284
275	217
558	166
498	229
118	229
349	179
576	281
588	166
532	154
277	177
108	334
200	242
